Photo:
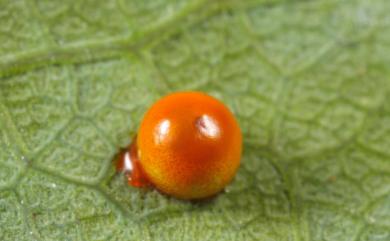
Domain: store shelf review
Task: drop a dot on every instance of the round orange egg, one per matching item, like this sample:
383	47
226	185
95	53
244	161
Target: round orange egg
189	145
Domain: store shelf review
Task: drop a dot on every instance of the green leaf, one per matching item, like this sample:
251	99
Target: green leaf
308	80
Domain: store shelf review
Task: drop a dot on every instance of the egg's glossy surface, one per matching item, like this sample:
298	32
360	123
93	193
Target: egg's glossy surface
189	145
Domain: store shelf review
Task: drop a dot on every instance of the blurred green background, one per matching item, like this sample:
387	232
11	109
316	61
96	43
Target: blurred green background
308	81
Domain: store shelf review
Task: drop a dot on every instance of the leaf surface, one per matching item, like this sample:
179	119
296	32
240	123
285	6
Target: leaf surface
308	81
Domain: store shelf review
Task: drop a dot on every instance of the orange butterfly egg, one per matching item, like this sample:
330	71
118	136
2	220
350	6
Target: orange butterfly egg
189	145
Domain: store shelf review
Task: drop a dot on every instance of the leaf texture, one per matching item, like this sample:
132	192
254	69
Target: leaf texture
308	81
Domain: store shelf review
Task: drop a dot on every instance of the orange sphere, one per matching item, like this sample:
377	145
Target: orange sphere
189	145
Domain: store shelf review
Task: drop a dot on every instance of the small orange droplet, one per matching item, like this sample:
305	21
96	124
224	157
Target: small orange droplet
128	163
